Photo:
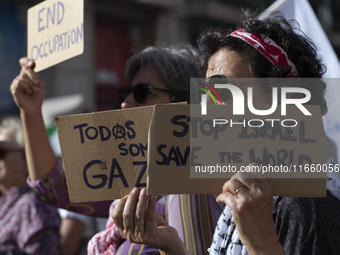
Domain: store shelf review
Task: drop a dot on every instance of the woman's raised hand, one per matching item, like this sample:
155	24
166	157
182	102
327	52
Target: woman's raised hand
27	88
137	220
251	202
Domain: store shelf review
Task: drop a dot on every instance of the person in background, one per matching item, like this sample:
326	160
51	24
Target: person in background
71	232
28	226
158	75
76	229
253	221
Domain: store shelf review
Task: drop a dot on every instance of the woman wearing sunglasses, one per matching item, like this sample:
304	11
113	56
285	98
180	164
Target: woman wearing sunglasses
157	75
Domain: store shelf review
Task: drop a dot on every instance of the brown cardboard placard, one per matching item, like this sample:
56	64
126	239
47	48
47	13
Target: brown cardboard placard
55	32
171	151
104	153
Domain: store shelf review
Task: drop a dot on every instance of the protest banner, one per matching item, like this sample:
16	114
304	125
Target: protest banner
55	32
309	24
104	153
187	155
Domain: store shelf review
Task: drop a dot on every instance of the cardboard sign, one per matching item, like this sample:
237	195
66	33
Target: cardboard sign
180	137
104	153
55	30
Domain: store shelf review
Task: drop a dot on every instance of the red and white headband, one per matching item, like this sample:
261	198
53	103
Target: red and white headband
268	48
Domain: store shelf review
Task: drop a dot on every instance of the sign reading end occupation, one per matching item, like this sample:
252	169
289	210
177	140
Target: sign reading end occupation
55	32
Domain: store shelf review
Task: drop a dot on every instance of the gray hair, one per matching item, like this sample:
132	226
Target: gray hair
14	123
176	64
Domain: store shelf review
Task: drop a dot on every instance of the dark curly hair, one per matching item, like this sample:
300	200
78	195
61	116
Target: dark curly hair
300	49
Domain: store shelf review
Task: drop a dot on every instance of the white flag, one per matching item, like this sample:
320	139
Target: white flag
302	12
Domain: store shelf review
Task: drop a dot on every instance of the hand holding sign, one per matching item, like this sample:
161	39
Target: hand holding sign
28	88
28	93
143	225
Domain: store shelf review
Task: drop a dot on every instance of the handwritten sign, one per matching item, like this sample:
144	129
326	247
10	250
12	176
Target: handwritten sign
188	155
55	31
104	153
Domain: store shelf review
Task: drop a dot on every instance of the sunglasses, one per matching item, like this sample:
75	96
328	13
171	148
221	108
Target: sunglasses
4	151
140	92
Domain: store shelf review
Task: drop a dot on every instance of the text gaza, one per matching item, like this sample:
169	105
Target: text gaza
115	172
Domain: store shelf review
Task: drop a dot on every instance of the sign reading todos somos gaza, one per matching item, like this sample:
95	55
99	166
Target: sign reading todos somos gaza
55	32
105	153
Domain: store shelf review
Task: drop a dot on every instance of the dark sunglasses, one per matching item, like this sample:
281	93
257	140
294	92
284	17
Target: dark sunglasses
140	92
4	151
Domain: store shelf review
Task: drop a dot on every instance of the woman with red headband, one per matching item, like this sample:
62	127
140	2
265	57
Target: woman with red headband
253	221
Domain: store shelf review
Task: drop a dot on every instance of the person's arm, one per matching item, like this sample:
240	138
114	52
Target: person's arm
46	173
71	235
28	93
137	221
250	200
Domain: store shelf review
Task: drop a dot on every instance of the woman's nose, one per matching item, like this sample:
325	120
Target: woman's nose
129	102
